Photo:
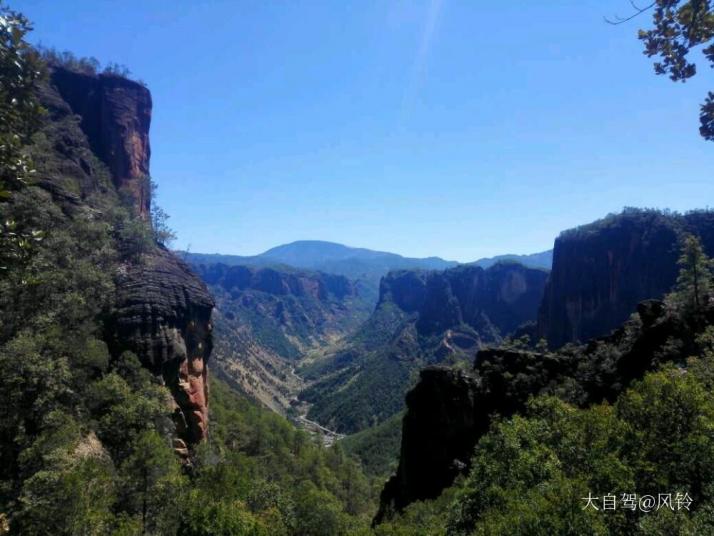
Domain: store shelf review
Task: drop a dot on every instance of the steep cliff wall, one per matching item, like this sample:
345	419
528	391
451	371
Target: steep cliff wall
602	270
115	116
438	436
494	301
162	310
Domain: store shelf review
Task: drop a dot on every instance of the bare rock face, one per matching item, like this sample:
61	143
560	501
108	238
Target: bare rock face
448	411
115	116
601	271
164	316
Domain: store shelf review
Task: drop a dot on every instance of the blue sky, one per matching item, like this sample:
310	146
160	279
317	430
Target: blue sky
454	128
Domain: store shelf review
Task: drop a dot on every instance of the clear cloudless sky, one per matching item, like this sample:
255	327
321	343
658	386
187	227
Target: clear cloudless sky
454	128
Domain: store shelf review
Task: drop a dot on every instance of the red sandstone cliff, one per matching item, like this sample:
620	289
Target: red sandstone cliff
163	310
115	115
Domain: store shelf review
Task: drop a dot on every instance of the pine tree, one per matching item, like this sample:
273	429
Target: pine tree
694	283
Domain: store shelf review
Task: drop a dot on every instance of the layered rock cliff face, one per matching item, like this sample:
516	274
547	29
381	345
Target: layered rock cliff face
162	310
602	270
163	314
115	115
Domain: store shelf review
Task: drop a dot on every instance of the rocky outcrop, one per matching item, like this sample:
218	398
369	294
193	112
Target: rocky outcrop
440	427
448	411
163	314
601	271
115	116
163	310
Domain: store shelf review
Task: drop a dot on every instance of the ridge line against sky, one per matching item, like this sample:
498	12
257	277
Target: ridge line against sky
438	128
356	247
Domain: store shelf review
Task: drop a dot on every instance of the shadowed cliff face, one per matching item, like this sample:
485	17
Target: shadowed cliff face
448	411
438	437
162	310
494	301
115	116
602	270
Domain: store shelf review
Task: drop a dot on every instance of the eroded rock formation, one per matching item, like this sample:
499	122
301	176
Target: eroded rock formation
493	301
438	437
164	316
163	310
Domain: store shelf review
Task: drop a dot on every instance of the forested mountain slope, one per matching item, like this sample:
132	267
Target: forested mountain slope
422	318
266	319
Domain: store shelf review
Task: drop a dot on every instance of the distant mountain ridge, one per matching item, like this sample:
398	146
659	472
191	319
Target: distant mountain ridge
328	257
355	263
542	259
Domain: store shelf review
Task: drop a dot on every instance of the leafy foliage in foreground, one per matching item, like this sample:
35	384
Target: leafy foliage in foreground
680	26
20	114
530	472
277	473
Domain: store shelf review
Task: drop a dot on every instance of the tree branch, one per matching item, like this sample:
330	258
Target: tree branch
638	11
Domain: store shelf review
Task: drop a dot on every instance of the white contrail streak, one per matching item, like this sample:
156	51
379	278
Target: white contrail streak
421	60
